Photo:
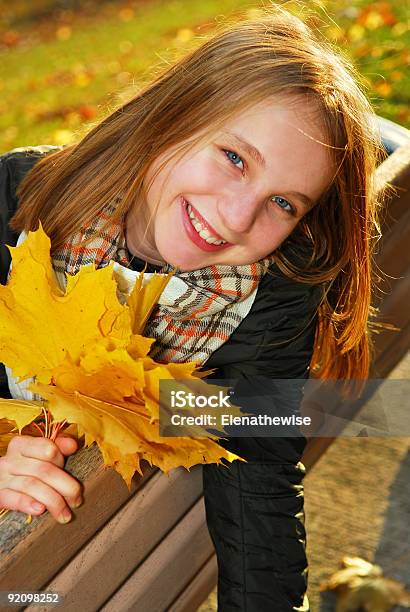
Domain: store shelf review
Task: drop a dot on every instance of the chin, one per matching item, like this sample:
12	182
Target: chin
181	259
185	267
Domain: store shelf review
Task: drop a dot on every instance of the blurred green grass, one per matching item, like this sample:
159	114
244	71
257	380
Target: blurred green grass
66	64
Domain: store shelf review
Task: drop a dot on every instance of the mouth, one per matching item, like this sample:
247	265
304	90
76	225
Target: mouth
200	231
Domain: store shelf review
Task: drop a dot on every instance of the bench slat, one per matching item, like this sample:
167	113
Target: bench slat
31	555
198	589
169	569
100	567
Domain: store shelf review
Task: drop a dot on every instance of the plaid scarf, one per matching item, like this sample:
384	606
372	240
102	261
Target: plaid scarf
199	309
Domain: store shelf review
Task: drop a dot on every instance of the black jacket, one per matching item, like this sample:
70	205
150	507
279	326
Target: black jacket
254	509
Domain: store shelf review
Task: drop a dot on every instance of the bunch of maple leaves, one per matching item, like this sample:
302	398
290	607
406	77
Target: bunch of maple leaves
90	364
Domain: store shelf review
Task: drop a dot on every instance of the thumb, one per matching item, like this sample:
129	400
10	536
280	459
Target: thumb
67	445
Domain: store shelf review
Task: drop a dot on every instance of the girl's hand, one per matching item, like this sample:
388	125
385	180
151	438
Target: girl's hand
32	478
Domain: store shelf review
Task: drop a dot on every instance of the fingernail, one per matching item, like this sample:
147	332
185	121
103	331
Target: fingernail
76	503
65	516
37	507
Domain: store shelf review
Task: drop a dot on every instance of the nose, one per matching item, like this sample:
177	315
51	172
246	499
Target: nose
238	210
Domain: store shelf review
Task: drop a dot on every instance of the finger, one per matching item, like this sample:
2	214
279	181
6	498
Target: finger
14	500
56	478
36	448
66	444
38	490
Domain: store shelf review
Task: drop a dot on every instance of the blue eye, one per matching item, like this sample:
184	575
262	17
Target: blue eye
282	203
234	158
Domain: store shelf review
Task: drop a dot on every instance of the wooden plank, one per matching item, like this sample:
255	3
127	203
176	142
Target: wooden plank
100	567
395	170
391	346
393	258
32	554
198	589
170	568
393	296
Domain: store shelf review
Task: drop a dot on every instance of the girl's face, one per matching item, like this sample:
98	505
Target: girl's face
236	198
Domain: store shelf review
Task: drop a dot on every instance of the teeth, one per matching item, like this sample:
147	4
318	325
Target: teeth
204	234
202	231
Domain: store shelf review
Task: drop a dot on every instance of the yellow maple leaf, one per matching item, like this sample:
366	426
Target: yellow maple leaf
19	412
144	298
91	363
7	432
45	323
124	430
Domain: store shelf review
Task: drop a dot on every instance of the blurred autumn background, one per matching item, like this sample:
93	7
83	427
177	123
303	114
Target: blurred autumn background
67	63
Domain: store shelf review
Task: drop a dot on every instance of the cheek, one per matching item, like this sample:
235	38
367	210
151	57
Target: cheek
201	174
272	233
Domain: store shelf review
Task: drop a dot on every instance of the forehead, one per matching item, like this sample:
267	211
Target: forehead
290	137
275	122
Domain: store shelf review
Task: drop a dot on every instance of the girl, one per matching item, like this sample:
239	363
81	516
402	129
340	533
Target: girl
248	165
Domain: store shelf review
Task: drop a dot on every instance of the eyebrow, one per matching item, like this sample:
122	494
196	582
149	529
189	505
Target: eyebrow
249	148
304	199
257	156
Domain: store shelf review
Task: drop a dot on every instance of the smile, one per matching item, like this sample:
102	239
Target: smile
200	231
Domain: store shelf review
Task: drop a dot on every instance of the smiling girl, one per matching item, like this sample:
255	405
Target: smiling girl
248	165
235	196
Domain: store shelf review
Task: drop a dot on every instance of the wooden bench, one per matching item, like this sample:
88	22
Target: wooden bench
149	550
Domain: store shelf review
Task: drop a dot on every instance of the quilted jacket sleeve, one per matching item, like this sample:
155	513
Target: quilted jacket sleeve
254	510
